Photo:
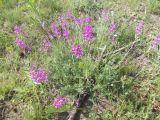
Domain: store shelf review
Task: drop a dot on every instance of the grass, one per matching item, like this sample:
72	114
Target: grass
154	6
120	75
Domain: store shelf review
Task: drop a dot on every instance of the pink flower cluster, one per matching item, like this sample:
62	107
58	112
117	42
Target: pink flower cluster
87	19
105	15
55	30
69	15
66	34
39	75
79	21
64	24
156	41
28	48
61	19
21	43
77	51
139	28
46	45
78	102
112	28
88	33
60	102
17	29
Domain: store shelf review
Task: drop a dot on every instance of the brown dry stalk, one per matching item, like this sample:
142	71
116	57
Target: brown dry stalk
120	49
76	112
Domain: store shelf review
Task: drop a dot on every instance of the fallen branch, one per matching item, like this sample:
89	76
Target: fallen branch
76	112
120	49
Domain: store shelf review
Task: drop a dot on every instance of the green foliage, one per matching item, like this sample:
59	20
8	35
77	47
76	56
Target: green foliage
9	4
154	6
126	33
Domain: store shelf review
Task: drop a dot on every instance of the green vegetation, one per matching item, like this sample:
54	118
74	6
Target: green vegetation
116	63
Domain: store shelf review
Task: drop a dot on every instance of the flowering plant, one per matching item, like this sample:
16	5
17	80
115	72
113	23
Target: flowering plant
74	58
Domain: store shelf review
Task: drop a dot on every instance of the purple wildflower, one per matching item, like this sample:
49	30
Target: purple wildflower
61	19
64	25
39	76
28	48
77	51
112	28
17	29
63	22
66	34
69	15
60	102
46	45
139	28
78	102
79	21
21	43
105	15
55	30
88	33
156	41
87	19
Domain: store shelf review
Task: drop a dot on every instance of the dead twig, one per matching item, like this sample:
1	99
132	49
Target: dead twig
120	49
75	113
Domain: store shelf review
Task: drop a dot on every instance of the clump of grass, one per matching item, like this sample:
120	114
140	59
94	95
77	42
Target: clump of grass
153	6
